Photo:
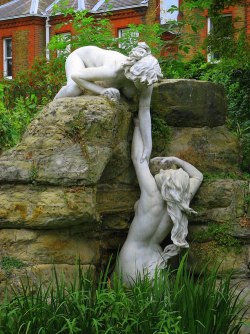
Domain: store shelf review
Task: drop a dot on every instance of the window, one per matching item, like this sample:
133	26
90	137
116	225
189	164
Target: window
7	58
127	37
220	33
168	10
63	40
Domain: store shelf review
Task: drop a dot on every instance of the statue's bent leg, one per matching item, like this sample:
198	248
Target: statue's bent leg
73	64
85	78
70	90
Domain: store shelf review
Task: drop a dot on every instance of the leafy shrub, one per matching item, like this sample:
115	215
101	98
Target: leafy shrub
97	31
88	30
43	81
161	135
174	303
23	97
13	122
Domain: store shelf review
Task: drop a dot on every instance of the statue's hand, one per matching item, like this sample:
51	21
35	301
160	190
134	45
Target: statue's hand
164	160
112	94
145	156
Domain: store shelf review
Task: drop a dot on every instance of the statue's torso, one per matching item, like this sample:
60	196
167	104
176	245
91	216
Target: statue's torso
141	255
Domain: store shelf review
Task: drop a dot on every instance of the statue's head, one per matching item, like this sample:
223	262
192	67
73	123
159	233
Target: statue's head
174	187
141	67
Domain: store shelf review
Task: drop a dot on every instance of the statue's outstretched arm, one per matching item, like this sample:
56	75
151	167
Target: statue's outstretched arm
146	180
195	175
145	122
85	79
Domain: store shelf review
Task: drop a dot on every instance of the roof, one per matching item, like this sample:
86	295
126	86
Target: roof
22	8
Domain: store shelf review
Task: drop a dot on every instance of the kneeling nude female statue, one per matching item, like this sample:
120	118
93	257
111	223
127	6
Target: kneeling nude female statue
163	207
132	75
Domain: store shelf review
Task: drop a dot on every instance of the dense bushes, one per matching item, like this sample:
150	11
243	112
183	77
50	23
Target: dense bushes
43	81
22	98
175	303
14	121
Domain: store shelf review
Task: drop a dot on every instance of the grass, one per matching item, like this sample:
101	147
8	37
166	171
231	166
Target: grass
174	303
8	263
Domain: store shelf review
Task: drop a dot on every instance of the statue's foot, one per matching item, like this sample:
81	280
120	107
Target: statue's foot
112	94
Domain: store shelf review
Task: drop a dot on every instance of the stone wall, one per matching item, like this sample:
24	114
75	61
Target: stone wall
67	190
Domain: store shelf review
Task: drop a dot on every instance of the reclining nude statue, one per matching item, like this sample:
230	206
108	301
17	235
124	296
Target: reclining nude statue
132	75
163	207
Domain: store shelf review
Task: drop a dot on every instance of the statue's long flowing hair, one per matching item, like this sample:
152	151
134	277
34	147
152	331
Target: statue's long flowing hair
175	191
142	66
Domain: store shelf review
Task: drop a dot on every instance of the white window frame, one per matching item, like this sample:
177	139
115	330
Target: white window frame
165	15
120	32
68	48
6	58
210	55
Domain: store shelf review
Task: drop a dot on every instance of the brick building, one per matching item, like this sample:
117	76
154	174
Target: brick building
26	26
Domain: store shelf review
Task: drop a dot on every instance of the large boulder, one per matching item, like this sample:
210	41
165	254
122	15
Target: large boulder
212	150
190	103
69	143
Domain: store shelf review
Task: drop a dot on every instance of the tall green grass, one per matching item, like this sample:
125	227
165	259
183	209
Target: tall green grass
174	303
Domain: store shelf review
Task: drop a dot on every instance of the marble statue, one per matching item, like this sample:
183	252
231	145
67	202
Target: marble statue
132	76
162	208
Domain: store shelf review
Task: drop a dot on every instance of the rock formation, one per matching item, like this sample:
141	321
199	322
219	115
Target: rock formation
67	190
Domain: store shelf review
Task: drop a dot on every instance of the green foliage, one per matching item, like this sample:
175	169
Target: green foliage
88	30
13	122
184	38
43	81
221	234
213	6
161	134
23	97
150	34
172	304
226	175
92	30
8	263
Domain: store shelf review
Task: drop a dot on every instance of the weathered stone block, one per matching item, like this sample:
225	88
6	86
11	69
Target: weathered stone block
228	259
46	207
189	103
35	247
220	201
69	143
209	149
111	199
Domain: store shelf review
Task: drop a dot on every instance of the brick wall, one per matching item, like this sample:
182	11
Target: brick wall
123	19
248	19
119	19
28	39
2	2
20	50
239	18
28	34
153	12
